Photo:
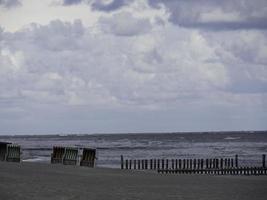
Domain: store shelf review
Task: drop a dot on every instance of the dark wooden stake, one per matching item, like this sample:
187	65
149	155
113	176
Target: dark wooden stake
236	161
121	161
263	161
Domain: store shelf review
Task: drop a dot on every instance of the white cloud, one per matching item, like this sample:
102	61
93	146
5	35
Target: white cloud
131	59
67	62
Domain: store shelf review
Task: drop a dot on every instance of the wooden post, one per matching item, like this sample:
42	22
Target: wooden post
207	163
162	164
221	165
176	163
158	163
190	164
202	163
194	163
155	164
236	161
121	161
211	166
180	163
232	162
215	164
263	161
130	167
143	164
167	164
126	164
183	163
146	164
134	164
139	164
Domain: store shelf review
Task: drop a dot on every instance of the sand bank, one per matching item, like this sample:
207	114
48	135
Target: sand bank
46	181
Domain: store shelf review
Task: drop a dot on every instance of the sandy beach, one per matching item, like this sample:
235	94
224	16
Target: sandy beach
46	181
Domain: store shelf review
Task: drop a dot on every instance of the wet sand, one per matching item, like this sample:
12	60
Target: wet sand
46	181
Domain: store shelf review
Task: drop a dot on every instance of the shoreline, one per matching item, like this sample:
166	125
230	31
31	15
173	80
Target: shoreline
55	181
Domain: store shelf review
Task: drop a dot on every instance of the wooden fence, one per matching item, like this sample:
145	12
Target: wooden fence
194	166
229	171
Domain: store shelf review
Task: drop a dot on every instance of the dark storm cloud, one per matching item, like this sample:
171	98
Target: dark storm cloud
9	3
260	23
100	5
114	5
189	13
71	2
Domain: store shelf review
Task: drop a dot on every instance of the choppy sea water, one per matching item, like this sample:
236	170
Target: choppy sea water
248	145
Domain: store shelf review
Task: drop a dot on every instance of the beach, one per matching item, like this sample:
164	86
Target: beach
47	181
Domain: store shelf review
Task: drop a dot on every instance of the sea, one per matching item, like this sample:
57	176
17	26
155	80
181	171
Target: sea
248	145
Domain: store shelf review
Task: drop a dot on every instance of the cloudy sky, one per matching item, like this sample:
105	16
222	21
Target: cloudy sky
107	66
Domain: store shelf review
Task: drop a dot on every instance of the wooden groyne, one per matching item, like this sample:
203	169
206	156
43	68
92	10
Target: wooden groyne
195	166
229	171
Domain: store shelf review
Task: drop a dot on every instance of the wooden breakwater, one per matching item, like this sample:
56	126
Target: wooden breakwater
194	166
229	171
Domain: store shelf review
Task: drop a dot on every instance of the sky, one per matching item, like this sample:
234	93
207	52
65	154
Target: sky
120	66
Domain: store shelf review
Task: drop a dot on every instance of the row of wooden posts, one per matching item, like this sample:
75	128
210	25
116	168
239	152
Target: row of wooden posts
186	164
229	171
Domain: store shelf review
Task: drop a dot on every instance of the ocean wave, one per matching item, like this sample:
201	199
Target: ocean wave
36	159
231	138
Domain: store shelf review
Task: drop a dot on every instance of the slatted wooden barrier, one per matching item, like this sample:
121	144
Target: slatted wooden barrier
13	153
71	156
57	155
3	150
88	157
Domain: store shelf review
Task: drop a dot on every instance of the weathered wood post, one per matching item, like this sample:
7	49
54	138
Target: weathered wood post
236	161
207	163
221	165
126	164
139	164
198	163
194	164
146	164
180	163
225	163
130	164
162	164
190	164
183	163
155	164
263	161
232	162
167	164
134	164
158	163
176	163
211	163
121	161
214	163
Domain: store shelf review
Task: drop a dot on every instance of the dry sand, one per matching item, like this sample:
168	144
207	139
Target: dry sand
45	181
